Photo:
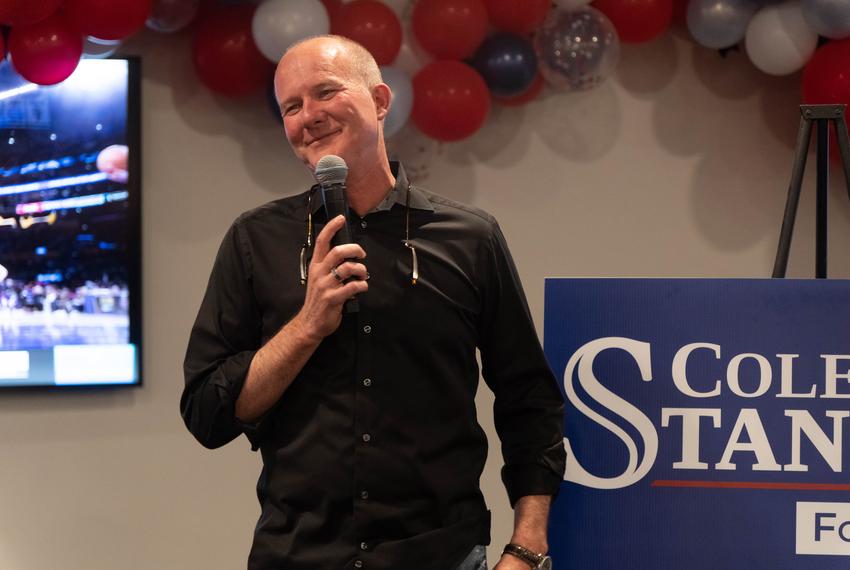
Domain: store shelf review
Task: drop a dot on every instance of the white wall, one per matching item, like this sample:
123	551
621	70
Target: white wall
677	167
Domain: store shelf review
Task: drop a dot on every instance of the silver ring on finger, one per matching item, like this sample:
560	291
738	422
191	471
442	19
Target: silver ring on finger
336	274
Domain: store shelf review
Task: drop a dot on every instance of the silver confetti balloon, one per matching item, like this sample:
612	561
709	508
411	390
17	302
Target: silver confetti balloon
829	18
718	24
576	49
169	16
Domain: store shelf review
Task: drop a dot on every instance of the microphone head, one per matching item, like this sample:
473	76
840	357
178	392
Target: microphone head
331	169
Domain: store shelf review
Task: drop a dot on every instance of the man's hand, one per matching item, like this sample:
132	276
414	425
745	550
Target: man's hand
322	310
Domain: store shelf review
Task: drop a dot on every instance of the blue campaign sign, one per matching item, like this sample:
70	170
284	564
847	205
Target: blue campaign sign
704	423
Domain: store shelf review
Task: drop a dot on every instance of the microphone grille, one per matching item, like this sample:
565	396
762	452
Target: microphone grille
331	169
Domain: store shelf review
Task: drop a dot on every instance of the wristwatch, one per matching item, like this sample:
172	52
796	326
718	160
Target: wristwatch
536	561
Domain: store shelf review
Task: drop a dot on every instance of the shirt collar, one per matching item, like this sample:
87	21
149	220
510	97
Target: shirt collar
396	195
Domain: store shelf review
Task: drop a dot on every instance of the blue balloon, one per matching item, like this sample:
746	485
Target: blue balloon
719	24
507	63
828	18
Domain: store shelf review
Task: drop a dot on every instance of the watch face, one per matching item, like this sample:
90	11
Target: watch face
545	564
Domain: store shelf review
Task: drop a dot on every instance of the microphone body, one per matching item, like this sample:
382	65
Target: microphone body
335	205
331	172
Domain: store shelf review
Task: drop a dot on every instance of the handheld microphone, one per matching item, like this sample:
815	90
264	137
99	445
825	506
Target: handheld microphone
331	172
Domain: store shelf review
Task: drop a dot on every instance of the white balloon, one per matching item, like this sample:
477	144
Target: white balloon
411	56
571	4
402	102
278	24
778	39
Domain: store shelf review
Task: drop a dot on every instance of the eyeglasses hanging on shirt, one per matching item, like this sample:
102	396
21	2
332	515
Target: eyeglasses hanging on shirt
308	242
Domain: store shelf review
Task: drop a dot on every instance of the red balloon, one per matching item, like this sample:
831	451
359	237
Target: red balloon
637	21
517	17
108	19
26	12
826	79
226	58
46	52
450	29
526	96
680	13
334	8
450	100
373	25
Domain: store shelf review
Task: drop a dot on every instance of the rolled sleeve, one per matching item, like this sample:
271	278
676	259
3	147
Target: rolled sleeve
528	407
222	344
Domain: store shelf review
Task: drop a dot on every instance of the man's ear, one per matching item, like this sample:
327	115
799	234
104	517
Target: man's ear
383	97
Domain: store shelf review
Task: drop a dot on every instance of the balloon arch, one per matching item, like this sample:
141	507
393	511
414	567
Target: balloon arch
452	58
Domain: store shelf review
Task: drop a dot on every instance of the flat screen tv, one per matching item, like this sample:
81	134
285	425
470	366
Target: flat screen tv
70	237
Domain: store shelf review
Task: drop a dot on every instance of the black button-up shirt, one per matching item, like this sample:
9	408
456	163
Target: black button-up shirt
372	456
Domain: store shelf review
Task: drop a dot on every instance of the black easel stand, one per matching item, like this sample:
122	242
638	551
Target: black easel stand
823	114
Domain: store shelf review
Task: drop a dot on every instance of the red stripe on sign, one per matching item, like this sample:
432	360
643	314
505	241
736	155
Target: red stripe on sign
754	485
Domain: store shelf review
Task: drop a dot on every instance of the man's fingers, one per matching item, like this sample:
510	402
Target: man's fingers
340	295
323	240
341	253
350	269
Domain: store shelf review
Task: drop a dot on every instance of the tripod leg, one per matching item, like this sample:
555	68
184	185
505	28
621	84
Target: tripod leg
844	148
803	137
822	157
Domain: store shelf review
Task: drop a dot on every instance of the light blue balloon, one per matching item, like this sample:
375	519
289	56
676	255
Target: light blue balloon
402	88
718	24
828	18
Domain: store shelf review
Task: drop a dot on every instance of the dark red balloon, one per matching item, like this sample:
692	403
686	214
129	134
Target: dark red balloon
334	8
46	52
517	17
680	13
450	29
637	21
108	19
26	12
526	96
373	25
450	100
826	79
226	58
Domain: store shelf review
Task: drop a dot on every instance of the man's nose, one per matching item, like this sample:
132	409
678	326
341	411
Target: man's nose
312	113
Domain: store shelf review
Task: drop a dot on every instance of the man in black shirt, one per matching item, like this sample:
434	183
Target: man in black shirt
366	421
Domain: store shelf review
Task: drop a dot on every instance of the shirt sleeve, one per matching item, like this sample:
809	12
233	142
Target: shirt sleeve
223	341
529	408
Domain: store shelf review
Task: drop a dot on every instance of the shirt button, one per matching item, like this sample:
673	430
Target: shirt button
364	494
358	564
367	438
367	382
364	546
367	329
363	224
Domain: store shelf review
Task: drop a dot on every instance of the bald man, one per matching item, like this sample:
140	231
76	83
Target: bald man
366	420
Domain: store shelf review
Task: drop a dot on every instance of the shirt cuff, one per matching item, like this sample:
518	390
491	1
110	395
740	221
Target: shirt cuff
235	370
530	479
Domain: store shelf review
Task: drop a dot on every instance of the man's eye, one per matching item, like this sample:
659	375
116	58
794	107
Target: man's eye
290	109
325	93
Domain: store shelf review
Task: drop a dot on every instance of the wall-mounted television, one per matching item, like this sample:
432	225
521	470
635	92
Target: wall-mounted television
70	232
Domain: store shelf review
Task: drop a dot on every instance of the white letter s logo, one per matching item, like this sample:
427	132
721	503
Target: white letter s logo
583	359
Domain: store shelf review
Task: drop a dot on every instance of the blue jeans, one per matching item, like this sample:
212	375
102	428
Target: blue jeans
476	560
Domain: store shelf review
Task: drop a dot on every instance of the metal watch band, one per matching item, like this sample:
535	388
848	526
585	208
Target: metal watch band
531	558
